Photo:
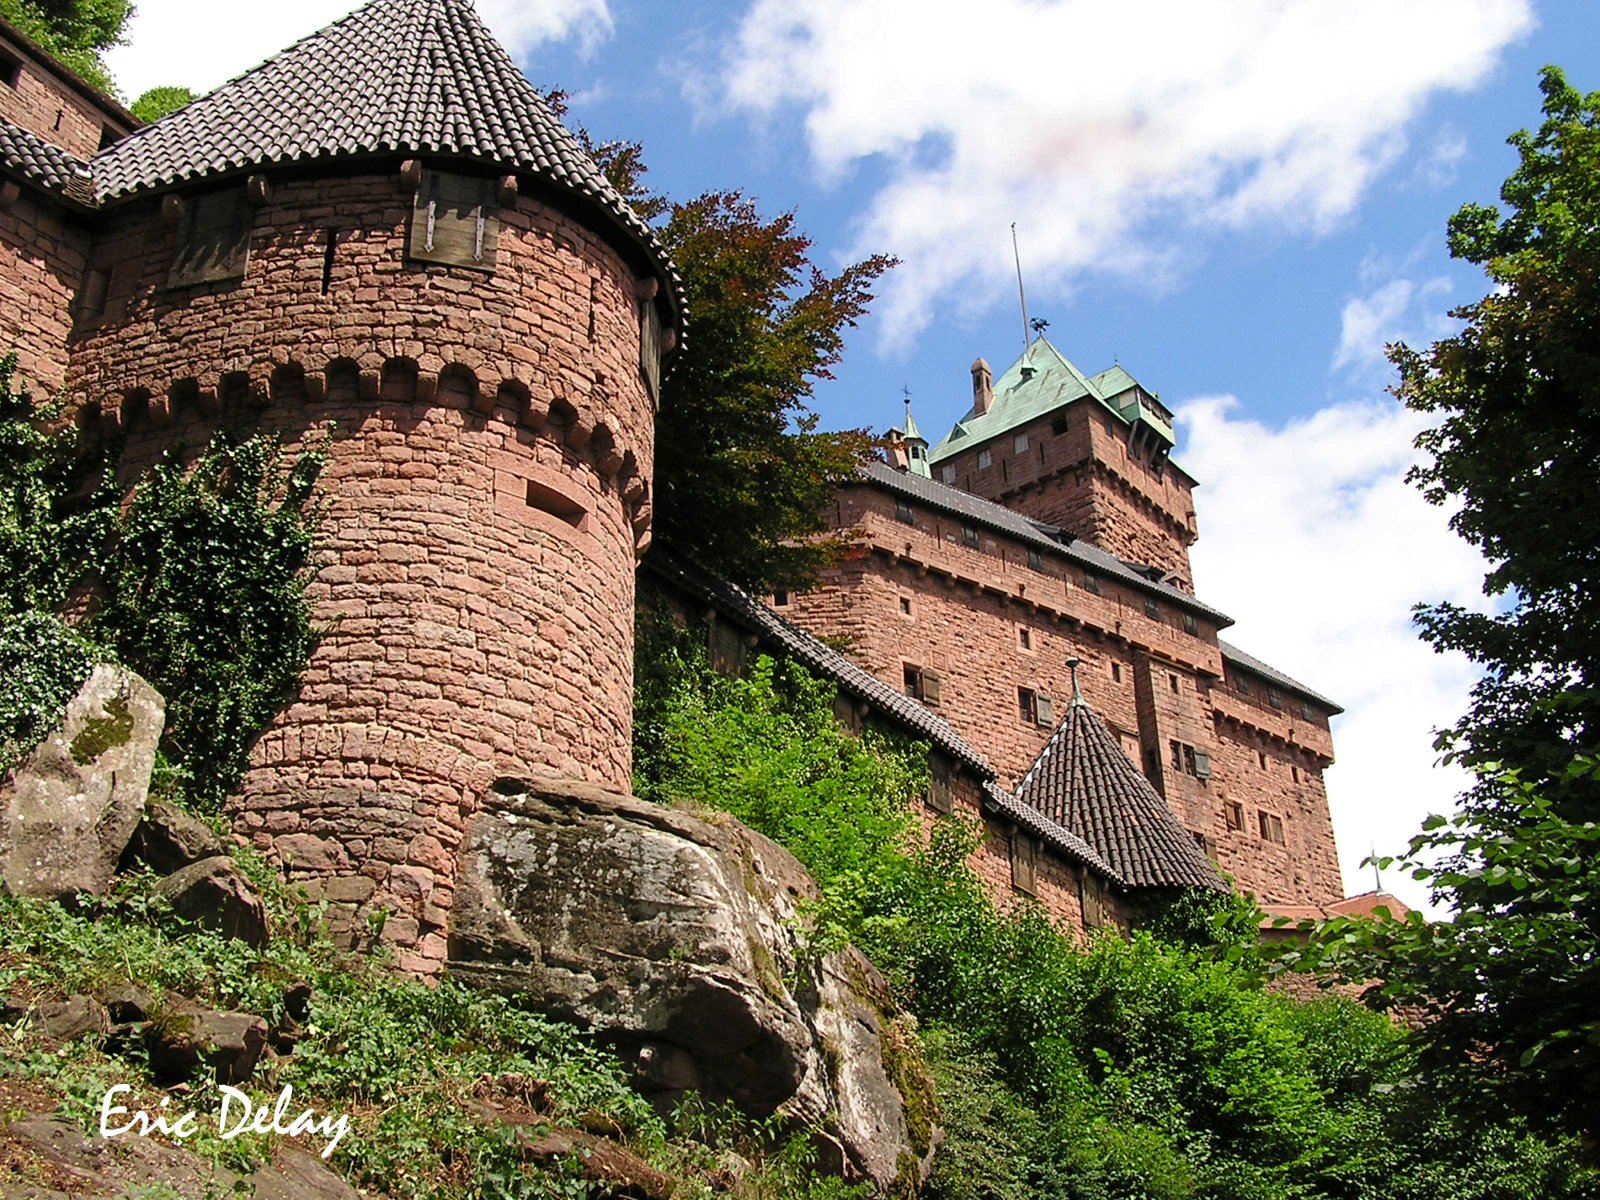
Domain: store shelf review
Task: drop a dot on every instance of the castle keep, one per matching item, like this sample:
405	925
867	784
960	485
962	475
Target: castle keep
385	231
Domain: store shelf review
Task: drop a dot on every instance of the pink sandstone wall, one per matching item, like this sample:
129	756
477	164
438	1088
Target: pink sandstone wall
42	256
473	635
46	108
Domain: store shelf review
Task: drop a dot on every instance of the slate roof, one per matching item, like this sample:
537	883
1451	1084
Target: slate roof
40	163
1035	533
1232	654
736	604
422	77
1084	782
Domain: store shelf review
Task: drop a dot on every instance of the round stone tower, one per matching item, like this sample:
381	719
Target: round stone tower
386	230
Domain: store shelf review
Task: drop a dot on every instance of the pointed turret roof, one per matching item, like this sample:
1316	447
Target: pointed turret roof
394	77
1084	782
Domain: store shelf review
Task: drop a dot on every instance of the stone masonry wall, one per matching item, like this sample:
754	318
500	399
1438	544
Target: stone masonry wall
489	471
1083	480
46	108
42	255
1151	681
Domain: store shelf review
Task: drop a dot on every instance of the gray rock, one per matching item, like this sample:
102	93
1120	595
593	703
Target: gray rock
677	938
168	839
127	1002
295	1174
229	1043
73	1018
69	808
214	894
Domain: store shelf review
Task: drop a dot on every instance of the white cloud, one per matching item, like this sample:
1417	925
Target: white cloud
1116	135
201	45
1398	310
1313	542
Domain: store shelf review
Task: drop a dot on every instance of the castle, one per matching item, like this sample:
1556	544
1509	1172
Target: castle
386	231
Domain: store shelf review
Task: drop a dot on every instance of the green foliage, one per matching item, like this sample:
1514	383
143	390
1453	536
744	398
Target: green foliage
431	1076
1516	394
743	474
157	102
44	664
1130	1067
204	587
78	32
49	527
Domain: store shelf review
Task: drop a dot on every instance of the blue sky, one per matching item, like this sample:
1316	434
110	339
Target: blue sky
1239	200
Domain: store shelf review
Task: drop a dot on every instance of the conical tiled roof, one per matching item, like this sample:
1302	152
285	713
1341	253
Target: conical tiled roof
1083	781
421	77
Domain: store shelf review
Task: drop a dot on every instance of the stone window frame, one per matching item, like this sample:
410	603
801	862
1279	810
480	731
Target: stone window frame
903	511
1233	815
1270	827
1035	559
1027	705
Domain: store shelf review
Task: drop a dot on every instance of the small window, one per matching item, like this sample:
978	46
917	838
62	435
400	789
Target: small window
1027	706
1024	637
1233	816
1172	683
922	684
902	511
213	239
1275	700
1305	712
1024	863
947	473
557	504
1190	625
1261	757
905	605
1058	426
913	675
1019	444
1152	609
1271	827
969	536
780	599
1175	754
1294	773
1242	685
941	776
985	460
1035	560
1189	761
10	69
1116	672
454	221
1091	584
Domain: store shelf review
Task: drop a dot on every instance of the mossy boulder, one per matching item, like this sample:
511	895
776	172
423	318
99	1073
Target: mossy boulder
70	806
679	939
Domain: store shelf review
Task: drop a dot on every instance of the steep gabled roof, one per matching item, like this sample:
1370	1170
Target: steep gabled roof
1039	534
1232	654
1039	382
421	77
1084	782
735	604
38	162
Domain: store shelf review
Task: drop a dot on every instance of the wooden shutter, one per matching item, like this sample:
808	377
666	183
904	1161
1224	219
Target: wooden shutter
940	778
213	240
650	348
1045	710
930	687
454	221
1024	852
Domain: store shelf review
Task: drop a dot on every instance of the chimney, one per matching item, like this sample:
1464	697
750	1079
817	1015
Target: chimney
982	387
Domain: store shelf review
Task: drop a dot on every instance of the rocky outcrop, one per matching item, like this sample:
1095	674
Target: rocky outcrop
679	938
69	808
214	894
168	839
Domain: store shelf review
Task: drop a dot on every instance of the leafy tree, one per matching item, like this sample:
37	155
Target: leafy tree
742	473
1512	980
159	101
78	32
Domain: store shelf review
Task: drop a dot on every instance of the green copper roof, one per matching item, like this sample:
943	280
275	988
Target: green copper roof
1037	384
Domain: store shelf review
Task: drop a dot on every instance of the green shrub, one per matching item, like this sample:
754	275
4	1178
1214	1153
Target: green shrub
44	664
